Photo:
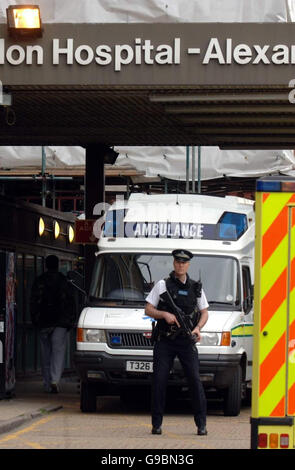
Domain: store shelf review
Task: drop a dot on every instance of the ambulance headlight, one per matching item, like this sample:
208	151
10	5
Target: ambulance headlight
91	335
95	336
210	339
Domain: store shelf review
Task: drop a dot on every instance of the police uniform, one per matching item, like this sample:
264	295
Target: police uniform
190	297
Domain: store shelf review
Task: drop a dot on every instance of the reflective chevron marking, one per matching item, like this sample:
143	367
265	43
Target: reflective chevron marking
273	302
273	379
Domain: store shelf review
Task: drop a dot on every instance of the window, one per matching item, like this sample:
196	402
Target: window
64	266
39	266
131	276
20	287
29	277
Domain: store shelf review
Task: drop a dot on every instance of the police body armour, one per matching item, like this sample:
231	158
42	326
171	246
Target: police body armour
185	297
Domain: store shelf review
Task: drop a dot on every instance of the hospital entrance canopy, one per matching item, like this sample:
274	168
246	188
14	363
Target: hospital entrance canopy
217	84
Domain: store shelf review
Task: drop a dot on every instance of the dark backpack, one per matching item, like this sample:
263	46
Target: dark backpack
51	302
49	299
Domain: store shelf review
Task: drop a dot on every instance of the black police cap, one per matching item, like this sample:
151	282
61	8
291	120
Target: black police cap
182	255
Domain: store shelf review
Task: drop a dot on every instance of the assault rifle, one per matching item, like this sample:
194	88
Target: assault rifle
185	322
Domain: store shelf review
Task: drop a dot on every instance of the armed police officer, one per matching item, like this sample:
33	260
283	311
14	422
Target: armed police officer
176	303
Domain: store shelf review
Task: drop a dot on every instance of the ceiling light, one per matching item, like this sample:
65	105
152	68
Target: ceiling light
41	226
24	20
56	229
71	233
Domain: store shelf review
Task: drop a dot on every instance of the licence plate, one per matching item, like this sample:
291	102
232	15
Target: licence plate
139	366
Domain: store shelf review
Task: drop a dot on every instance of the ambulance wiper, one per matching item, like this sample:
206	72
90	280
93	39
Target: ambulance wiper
210	302
133	301
104	299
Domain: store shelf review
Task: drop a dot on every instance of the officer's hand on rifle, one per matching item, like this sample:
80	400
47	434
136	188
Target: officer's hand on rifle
170	318
197	333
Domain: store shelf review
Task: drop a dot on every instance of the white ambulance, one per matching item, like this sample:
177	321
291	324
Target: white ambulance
114	351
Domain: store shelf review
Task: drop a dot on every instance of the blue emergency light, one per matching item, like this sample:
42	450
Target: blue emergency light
276	184
232	225
114	220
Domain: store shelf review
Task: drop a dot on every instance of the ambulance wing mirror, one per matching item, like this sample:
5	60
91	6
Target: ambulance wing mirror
77	287
246	305
248	301
76	282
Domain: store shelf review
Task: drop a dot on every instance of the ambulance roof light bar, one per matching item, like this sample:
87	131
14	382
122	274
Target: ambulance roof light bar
24	21
276	184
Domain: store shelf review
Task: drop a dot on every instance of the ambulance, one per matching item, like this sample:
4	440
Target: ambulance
273	396
114	354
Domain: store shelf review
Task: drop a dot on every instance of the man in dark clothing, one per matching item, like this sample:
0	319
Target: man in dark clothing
53	313
190	297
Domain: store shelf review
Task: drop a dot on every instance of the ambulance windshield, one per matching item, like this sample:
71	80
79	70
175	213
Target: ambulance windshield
128	278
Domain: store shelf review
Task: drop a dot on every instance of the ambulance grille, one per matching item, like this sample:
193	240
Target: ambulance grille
128	339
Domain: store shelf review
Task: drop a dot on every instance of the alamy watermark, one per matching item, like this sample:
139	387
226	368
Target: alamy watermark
291	95
147	219
168	219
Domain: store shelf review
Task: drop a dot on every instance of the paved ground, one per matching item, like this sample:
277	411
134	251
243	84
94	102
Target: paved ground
56	422
29	402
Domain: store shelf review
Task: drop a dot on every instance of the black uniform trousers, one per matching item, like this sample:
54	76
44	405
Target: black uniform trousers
165	351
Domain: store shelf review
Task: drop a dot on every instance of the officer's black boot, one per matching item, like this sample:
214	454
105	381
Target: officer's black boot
156	430
201	425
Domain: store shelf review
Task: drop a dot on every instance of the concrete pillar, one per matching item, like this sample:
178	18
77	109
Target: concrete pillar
94	193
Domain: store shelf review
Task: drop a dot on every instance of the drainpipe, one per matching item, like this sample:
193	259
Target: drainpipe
43	177
187	170
199	169
193	169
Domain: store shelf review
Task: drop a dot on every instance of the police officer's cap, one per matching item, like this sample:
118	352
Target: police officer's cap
182	255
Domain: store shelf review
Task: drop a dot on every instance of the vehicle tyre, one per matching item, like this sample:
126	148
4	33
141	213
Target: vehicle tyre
233	395
247	400
126	396
87	398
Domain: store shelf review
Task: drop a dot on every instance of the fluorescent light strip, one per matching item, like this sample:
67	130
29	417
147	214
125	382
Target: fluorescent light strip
218	97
